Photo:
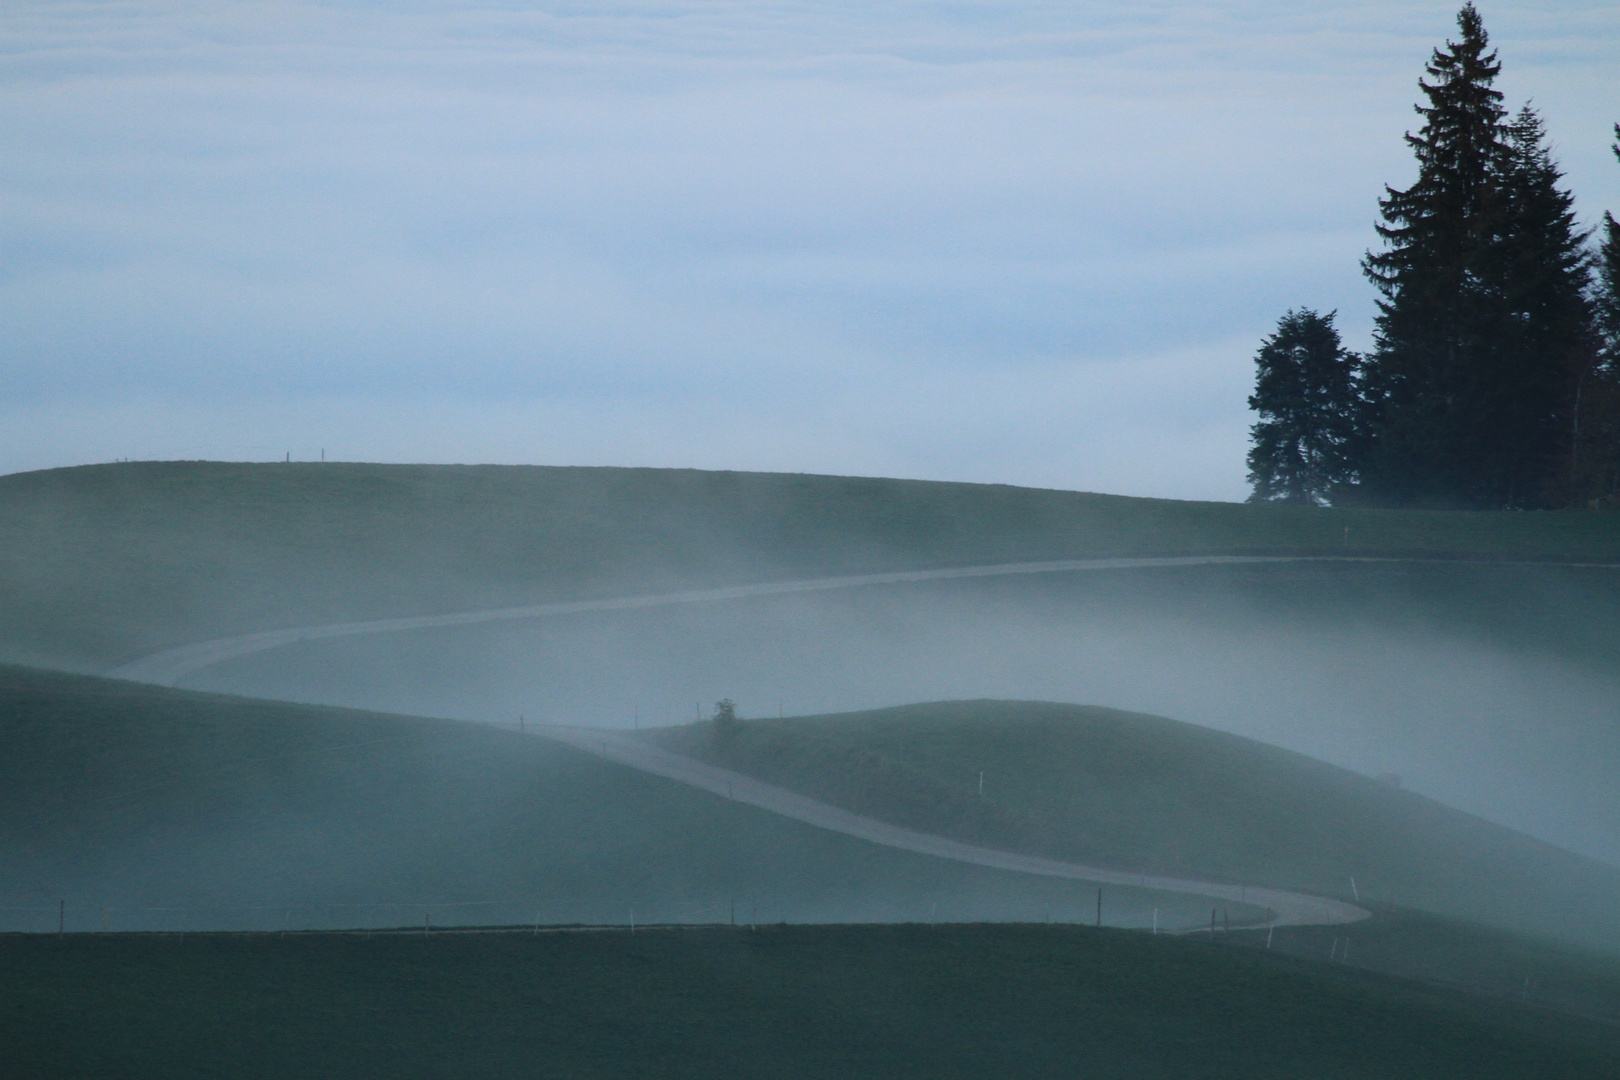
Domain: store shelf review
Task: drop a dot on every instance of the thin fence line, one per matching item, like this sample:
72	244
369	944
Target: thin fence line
413	905
175	919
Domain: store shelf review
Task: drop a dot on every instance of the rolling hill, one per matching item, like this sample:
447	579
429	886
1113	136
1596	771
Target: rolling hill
1484	683
137	808
100	564
131	807
1142	792
128	807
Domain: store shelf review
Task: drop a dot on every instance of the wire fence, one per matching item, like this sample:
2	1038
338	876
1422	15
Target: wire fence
742	910
63	917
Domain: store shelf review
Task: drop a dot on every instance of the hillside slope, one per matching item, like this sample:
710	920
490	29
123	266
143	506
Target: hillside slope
100	564
127	807
1143	792
131	807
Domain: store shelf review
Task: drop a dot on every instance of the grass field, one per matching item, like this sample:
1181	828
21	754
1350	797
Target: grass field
135	808
1143	792
100	564
128	807
823	1002
140	808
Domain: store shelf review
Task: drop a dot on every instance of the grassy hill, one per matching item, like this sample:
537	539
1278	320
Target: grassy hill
142	808
128	807
823	1002
1143	792
100	564
205	810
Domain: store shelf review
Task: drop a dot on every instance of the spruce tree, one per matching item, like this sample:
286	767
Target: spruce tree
1434	232
1542	351
1608	282
1597	476
1483	326
1304	391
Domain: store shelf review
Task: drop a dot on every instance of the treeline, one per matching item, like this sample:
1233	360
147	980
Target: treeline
1494	378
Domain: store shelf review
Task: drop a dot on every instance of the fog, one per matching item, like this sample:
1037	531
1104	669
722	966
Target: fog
1489	686
163	816
1490	689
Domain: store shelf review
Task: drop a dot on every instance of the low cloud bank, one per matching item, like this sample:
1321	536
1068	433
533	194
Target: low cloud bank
1022	243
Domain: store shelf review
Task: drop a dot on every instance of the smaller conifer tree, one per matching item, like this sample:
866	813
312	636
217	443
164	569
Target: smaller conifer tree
1597	476
1305	392
1608	282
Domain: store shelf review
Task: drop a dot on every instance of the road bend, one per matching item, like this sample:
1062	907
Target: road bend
171	665
1286	908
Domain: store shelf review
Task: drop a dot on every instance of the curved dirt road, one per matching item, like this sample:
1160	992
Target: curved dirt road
1287	908
171	665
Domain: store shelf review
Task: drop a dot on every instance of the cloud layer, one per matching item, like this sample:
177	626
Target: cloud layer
1029	242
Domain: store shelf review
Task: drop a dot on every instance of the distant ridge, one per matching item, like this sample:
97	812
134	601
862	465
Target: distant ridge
102	564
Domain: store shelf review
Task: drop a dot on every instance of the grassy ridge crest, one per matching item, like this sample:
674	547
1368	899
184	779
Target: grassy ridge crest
99	564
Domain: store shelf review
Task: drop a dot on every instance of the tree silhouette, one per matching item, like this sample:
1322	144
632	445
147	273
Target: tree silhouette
1484	329
1305	393
725	718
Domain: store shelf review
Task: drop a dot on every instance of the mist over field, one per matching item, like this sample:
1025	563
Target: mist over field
1450	679
532	470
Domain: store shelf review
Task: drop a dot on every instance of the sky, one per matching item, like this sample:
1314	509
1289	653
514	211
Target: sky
1027	242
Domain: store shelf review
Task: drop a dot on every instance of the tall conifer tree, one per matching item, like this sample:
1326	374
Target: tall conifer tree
1468	393
1435	232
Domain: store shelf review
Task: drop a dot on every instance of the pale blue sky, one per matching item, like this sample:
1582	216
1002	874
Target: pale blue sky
1030	242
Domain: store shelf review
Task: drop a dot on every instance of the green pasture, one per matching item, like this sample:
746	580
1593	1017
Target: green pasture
133	808
126	807
783	1001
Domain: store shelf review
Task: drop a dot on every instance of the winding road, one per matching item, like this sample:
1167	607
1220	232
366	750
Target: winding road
1286	908
171	665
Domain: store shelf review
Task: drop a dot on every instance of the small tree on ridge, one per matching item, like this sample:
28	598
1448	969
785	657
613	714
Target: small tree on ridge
1305	393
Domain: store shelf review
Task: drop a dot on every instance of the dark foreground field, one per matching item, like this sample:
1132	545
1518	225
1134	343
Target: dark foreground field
853	1001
